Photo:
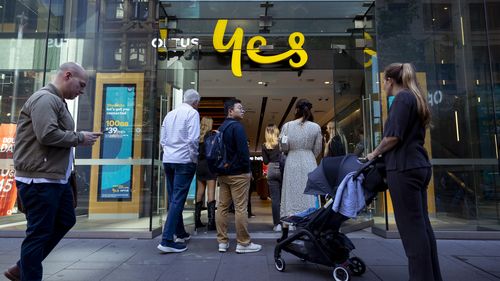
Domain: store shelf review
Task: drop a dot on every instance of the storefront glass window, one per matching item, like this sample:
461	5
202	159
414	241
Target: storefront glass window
454	55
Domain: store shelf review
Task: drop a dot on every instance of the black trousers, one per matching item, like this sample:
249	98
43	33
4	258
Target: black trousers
274	182
409	197
49	215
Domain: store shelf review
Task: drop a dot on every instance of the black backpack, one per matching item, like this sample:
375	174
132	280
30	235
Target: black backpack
215	150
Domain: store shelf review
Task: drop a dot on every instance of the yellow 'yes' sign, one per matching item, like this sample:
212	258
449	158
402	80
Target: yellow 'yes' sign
295	40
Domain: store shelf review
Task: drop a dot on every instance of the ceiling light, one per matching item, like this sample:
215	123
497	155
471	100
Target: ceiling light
260	82
327	82
446	8
192	82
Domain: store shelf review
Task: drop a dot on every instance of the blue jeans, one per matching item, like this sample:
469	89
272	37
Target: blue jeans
49	215
179	178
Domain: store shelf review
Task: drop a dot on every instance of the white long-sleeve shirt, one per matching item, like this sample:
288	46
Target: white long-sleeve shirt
180	133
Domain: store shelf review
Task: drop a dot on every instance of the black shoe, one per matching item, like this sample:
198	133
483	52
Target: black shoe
211	216
197	215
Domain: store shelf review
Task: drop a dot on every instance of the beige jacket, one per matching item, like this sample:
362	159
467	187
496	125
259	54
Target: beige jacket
44	136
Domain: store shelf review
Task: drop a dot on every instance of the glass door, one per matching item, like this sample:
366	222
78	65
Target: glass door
177	73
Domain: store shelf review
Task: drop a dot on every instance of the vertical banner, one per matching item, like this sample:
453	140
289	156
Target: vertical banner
8	190
117	141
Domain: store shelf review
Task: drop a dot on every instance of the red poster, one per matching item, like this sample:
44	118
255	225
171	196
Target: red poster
8	190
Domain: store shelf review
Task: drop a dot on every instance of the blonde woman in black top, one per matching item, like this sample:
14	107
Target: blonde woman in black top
335	144
205	179
409	170
271	155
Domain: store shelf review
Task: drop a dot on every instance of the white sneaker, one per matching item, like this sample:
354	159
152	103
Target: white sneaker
183	239
223	247
277	228
172	247
250	248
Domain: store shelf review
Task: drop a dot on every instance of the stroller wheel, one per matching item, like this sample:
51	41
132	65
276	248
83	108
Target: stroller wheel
340	273
279	263
357	266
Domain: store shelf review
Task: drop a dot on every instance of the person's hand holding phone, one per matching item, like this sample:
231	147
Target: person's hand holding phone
89	138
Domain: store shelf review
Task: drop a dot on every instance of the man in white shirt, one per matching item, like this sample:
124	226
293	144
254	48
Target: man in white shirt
180	133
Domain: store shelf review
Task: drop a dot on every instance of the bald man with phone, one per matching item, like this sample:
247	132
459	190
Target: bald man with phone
43	160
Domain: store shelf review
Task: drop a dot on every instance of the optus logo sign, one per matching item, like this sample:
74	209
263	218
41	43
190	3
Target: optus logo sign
295	41
179	42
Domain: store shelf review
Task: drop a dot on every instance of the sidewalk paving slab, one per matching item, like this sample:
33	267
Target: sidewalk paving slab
132	259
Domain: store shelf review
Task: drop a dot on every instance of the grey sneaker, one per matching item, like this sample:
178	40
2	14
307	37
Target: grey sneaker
223	247
183	239
250	248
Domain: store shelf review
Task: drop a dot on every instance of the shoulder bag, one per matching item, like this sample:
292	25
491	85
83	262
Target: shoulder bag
284	145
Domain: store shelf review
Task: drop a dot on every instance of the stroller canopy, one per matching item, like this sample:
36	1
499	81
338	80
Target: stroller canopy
329	174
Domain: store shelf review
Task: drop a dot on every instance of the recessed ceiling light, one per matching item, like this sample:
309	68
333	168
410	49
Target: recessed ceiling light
192	83
260	82
327	82
446	8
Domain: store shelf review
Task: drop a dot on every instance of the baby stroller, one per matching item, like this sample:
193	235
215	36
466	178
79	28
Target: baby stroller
317	238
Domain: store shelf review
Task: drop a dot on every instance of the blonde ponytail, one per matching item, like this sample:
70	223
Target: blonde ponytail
410	82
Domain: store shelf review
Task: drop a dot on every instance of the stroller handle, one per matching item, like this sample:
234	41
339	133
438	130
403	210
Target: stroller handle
366	165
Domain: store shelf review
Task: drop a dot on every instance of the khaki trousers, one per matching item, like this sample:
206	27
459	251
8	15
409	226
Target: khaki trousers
235	189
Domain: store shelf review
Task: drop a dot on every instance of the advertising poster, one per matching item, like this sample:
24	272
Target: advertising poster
8	190
118	124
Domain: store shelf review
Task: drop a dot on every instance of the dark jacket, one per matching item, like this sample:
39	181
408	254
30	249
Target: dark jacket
44	136
271	155
235	140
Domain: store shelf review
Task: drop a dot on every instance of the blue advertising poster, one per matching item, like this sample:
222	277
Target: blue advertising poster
118	123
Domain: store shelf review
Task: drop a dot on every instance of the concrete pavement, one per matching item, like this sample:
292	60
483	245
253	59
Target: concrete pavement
108	259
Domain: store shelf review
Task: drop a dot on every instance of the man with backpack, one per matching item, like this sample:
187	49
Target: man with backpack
180	133
234	179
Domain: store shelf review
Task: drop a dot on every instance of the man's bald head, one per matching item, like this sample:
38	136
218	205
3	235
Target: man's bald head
70	79
72	67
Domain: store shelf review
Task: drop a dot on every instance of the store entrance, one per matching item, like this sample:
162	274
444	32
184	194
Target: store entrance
269	97
336	78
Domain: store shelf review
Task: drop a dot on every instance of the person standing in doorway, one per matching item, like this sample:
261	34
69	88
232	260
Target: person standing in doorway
235	181
271	155
360	146
335	145
43	159
205	178
408	169
180	133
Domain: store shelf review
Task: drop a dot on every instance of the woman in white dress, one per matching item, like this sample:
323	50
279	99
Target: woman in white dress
304	141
